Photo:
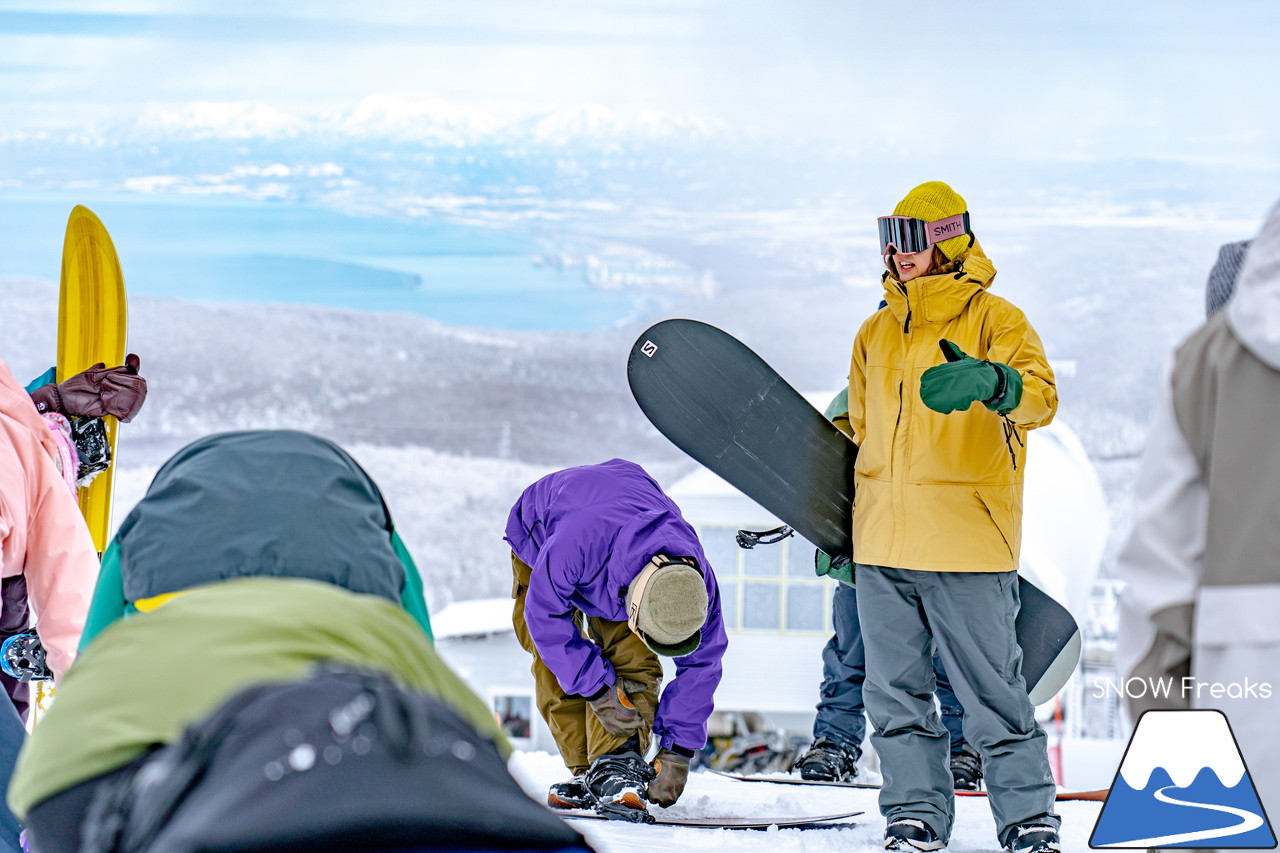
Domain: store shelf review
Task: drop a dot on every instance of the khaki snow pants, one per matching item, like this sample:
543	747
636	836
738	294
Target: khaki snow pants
575	727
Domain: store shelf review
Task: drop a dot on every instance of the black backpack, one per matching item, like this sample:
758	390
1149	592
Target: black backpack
346	760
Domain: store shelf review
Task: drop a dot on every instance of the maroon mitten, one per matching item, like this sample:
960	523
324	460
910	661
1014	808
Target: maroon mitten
97	391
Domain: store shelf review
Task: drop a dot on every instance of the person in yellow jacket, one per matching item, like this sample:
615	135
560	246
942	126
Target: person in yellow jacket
945	382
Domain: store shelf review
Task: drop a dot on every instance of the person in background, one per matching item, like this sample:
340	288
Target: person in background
91	394
944	383
607	576
1202	581
43	542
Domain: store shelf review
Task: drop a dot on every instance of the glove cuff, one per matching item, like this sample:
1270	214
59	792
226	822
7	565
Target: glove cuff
47	399
1008	393
1002	386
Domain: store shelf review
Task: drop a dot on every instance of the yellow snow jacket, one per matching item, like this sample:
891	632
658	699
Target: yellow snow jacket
941	492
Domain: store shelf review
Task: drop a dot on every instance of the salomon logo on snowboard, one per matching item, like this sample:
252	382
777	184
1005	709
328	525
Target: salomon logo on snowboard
649	348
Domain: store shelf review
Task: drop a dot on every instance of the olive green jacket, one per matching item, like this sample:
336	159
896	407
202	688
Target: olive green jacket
150	675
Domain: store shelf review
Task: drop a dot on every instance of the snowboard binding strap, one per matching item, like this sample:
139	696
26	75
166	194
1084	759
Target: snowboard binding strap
749	539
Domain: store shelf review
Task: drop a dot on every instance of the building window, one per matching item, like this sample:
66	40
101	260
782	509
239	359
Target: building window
807	607
761	561
800	559
514	715
760	606
721	548
769	588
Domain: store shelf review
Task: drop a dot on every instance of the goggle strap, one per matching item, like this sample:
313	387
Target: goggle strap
945	229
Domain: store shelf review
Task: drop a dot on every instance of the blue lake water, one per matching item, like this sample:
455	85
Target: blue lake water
233	250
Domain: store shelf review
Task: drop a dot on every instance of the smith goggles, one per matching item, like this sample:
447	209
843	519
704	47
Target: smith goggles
907	235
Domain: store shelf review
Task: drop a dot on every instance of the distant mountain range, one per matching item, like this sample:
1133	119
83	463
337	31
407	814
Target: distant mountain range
431	123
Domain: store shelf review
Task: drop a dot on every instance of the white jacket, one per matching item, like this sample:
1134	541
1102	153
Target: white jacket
1199	602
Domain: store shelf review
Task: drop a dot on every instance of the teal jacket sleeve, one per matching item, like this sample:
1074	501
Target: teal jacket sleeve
412	598
108	602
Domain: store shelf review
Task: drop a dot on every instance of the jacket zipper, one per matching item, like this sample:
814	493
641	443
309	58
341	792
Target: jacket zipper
900	469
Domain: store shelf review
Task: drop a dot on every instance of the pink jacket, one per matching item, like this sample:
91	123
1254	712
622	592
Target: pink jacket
42	533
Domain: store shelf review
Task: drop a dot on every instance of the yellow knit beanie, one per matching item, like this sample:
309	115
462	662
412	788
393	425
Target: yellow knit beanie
933	201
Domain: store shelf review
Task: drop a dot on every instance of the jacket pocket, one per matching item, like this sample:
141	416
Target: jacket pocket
1003	519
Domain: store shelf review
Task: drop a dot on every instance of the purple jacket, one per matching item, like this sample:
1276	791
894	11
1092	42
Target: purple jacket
587	532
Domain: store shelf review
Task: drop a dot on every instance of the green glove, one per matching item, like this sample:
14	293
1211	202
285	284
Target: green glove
964	380
822	566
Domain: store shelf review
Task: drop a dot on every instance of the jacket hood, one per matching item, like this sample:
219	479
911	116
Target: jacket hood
940	297
1254	312
245	504
655	532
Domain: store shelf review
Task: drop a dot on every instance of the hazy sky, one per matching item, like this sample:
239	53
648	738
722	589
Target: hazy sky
1164	78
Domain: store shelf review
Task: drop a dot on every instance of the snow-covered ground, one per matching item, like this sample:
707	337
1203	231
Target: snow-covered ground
708	795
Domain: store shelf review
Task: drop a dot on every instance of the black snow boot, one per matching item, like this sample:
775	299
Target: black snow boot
618	781
1033	838
966	769
571	795
910	834
829	761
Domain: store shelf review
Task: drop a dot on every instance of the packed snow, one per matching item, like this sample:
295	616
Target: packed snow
708	795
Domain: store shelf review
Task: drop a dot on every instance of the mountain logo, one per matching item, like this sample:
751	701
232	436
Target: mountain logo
1183	782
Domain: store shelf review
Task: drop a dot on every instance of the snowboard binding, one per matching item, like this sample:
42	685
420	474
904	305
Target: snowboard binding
620	811
751	538
92	446
22	656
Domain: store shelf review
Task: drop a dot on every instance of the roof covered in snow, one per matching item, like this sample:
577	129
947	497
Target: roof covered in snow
478	617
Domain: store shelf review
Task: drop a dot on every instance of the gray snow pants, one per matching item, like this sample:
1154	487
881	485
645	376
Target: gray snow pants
970	617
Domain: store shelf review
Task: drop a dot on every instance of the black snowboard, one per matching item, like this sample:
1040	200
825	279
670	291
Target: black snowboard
722	404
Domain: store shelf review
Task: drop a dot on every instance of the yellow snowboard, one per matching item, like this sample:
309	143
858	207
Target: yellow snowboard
91	329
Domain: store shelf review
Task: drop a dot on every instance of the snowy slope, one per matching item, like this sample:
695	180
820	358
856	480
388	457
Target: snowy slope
451	422
389	379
